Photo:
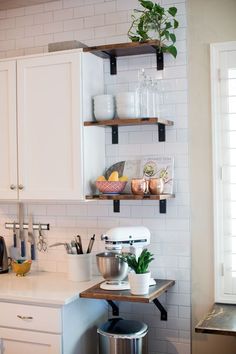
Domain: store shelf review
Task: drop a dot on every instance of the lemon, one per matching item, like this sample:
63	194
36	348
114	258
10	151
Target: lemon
123	179
101	178
114	177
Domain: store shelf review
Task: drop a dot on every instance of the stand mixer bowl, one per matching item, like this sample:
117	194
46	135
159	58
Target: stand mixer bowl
111	267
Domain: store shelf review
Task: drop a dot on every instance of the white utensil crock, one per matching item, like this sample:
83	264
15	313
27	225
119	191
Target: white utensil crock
80	267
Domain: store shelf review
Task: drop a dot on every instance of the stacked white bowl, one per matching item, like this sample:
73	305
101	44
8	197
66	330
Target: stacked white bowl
104	107
127	105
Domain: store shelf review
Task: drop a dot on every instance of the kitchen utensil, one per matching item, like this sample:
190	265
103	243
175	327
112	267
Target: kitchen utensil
3	256
21	268
156	185
42	244
111	267
91	242
31	237
65	244
14	235
21	229
80	243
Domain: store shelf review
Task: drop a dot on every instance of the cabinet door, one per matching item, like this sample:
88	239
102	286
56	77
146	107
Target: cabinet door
17	341
8	145
50	127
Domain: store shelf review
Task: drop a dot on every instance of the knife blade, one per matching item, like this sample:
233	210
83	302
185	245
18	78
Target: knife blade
21	229
31	237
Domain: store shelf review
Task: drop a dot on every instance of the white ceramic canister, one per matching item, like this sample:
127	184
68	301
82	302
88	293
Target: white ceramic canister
127	105
79	267
104	107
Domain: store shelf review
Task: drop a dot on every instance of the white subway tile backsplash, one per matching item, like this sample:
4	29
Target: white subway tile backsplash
42	18
7	23
105	7
63	14
115	17
84	11
94	21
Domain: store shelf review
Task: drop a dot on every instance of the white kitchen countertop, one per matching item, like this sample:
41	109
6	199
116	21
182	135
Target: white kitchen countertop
42	288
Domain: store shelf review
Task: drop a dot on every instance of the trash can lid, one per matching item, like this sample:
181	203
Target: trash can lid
118	327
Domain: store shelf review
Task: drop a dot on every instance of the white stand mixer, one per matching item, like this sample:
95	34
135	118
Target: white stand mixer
130	239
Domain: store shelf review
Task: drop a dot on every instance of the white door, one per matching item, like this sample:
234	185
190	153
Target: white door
8	140
50	127
20	341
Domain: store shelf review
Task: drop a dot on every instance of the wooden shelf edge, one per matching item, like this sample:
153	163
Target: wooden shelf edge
129	197
129	121
124	295
123	49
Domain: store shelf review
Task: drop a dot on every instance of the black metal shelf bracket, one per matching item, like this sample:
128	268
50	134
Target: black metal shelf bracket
114	134
160	60
161	132
161	309
113	66
116	206
115	308
162	206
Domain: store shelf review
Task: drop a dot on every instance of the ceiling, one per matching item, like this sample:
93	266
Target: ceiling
12	4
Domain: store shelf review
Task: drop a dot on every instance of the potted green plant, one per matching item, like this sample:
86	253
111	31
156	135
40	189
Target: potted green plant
139	278
154	22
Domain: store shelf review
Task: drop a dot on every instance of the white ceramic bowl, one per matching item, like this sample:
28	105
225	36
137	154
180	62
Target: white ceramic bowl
104	114
103	98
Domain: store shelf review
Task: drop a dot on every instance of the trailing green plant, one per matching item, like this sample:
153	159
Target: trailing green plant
140	264
154	22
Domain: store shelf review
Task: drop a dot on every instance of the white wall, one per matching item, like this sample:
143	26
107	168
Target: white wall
209	22
29	30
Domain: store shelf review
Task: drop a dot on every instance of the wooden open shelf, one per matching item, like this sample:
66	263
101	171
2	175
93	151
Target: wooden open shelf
112	51
115	123
130	197
129	121
161	286
118	197
95	292
123	49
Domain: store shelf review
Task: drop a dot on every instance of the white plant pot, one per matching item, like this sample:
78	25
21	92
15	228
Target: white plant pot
139	283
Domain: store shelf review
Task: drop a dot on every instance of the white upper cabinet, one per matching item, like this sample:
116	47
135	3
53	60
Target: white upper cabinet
53	147
8	147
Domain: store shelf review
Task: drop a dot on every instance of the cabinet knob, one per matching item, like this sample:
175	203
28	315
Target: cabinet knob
21	186
25	317
13	186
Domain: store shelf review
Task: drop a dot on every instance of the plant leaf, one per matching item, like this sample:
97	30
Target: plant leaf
176	23
172	11
168	25
173	37
134	38
172	50
147	4
159	9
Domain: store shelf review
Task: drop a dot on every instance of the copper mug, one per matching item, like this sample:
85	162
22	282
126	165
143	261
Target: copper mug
139	186
156	185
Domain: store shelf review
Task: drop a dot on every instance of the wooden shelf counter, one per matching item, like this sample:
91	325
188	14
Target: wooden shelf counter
162	285
220	320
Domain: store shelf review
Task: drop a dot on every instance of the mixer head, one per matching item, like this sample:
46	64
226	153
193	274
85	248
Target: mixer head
127	239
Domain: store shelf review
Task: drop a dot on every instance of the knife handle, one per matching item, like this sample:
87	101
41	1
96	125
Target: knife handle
32	249
22	247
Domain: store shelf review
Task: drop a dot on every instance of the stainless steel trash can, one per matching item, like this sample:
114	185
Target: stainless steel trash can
118	336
